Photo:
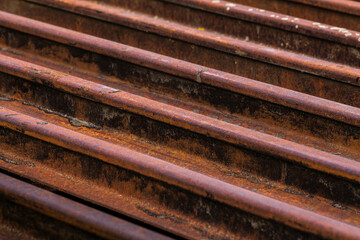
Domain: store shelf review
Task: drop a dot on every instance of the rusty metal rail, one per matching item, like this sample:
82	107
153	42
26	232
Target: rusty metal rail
44	213
195	119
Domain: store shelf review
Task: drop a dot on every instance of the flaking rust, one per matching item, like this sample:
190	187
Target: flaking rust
164	119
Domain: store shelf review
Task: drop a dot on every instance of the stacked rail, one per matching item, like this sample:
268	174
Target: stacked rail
179	119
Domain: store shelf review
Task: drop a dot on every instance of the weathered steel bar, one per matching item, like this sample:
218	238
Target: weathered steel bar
51	212
297	80
173	175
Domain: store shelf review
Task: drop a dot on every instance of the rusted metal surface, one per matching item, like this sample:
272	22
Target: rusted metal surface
195	119
53	210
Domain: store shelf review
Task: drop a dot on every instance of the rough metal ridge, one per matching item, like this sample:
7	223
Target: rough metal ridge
179	119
